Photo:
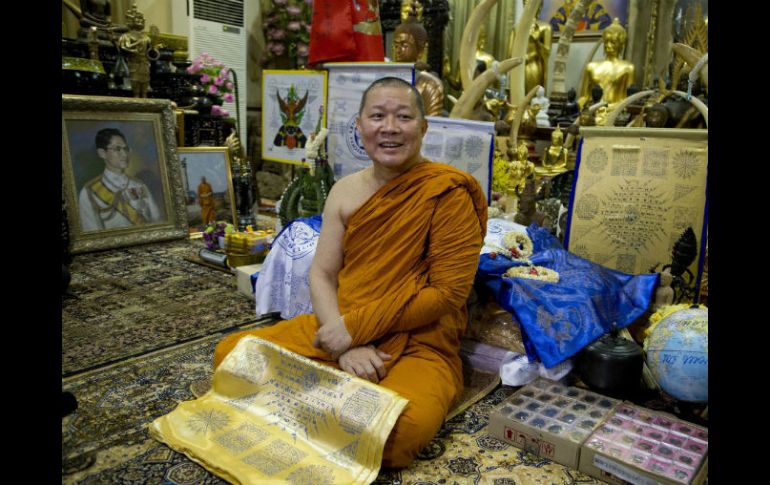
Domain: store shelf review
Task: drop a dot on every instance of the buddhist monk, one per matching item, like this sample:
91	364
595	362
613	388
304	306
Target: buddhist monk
395	261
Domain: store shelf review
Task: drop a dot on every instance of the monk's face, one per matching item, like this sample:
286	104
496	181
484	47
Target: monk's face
391	127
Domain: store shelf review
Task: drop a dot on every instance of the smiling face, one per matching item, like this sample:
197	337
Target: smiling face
392	127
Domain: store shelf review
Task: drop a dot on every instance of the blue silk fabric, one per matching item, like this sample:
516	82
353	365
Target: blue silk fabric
559	319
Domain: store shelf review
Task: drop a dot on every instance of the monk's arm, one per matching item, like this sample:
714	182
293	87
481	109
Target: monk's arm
455	240
328	261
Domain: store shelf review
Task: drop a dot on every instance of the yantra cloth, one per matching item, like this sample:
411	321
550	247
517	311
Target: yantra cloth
273	416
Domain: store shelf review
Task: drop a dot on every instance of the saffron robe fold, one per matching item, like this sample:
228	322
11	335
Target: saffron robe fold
410	255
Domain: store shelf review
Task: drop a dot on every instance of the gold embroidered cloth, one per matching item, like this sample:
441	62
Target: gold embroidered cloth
273	416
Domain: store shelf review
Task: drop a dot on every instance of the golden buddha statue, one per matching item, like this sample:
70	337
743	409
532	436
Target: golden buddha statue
538	51
613	74
555	156
409	42
481	55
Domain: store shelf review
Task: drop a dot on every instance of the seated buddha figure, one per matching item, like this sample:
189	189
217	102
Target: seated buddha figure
613	74
409	41
555	156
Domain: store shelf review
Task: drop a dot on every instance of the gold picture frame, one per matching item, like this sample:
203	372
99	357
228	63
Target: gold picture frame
128	190
215	165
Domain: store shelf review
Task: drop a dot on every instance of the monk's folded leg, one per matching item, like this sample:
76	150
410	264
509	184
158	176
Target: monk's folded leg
295	335
431	391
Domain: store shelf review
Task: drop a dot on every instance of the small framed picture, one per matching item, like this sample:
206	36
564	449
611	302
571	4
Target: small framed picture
121	179
293	107
598	16
208	187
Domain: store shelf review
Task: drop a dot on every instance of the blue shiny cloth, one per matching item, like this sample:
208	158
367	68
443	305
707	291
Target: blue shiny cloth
559	319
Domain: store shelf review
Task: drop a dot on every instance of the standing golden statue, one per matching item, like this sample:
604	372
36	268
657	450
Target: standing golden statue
613	74
137	44
538	51
409	41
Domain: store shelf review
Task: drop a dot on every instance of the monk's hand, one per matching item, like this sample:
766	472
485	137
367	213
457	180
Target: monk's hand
366	362
333	337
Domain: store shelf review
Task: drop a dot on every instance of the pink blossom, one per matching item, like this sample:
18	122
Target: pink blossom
205	78
280	3
216	110
230	85
293	10
228	97
224	73
277	34
301	49
224	112
219	81
213	89
194	67
294	26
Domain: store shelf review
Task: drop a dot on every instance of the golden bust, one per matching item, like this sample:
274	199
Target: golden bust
555	156
409	42
613	74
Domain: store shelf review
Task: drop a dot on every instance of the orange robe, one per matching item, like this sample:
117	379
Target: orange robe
206	201
410	257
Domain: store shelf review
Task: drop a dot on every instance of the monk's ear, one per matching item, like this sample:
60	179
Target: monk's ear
424	126
101	152
358	123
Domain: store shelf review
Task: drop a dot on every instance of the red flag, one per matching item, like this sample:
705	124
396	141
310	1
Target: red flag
345	30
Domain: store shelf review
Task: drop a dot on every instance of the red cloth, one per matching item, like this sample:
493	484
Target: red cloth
346	30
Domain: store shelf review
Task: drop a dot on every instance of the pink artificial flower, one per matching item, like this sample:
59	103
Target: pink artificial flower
216	110
224	113
194	67
219	81
230	85
224	73
280	3
278	49
301	49
293	10
213	89
228	97
277	34
294	26
205	78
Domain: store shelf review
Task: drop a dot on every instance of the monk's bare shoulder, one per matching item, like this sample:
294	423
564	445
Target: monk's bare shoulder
349	193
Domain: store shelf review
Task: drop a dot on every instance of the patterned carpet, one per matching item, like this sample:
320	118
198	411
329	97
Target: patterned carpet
128	302
138	332
117	402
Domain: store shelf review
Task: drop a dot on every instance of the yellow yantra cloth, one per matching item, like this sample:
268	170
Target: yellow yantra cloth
273	416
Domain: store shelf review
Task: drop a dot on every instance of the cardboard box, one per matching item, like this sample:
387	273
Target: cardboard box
550	420
641	446
243	275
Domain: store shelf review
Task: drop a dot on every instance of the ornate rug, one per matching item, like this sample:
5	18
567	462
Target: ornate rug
117	402
127	302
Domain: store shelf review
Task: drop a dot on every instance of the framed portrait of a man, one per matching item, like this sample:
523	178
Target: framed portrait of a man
208	186
121	178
